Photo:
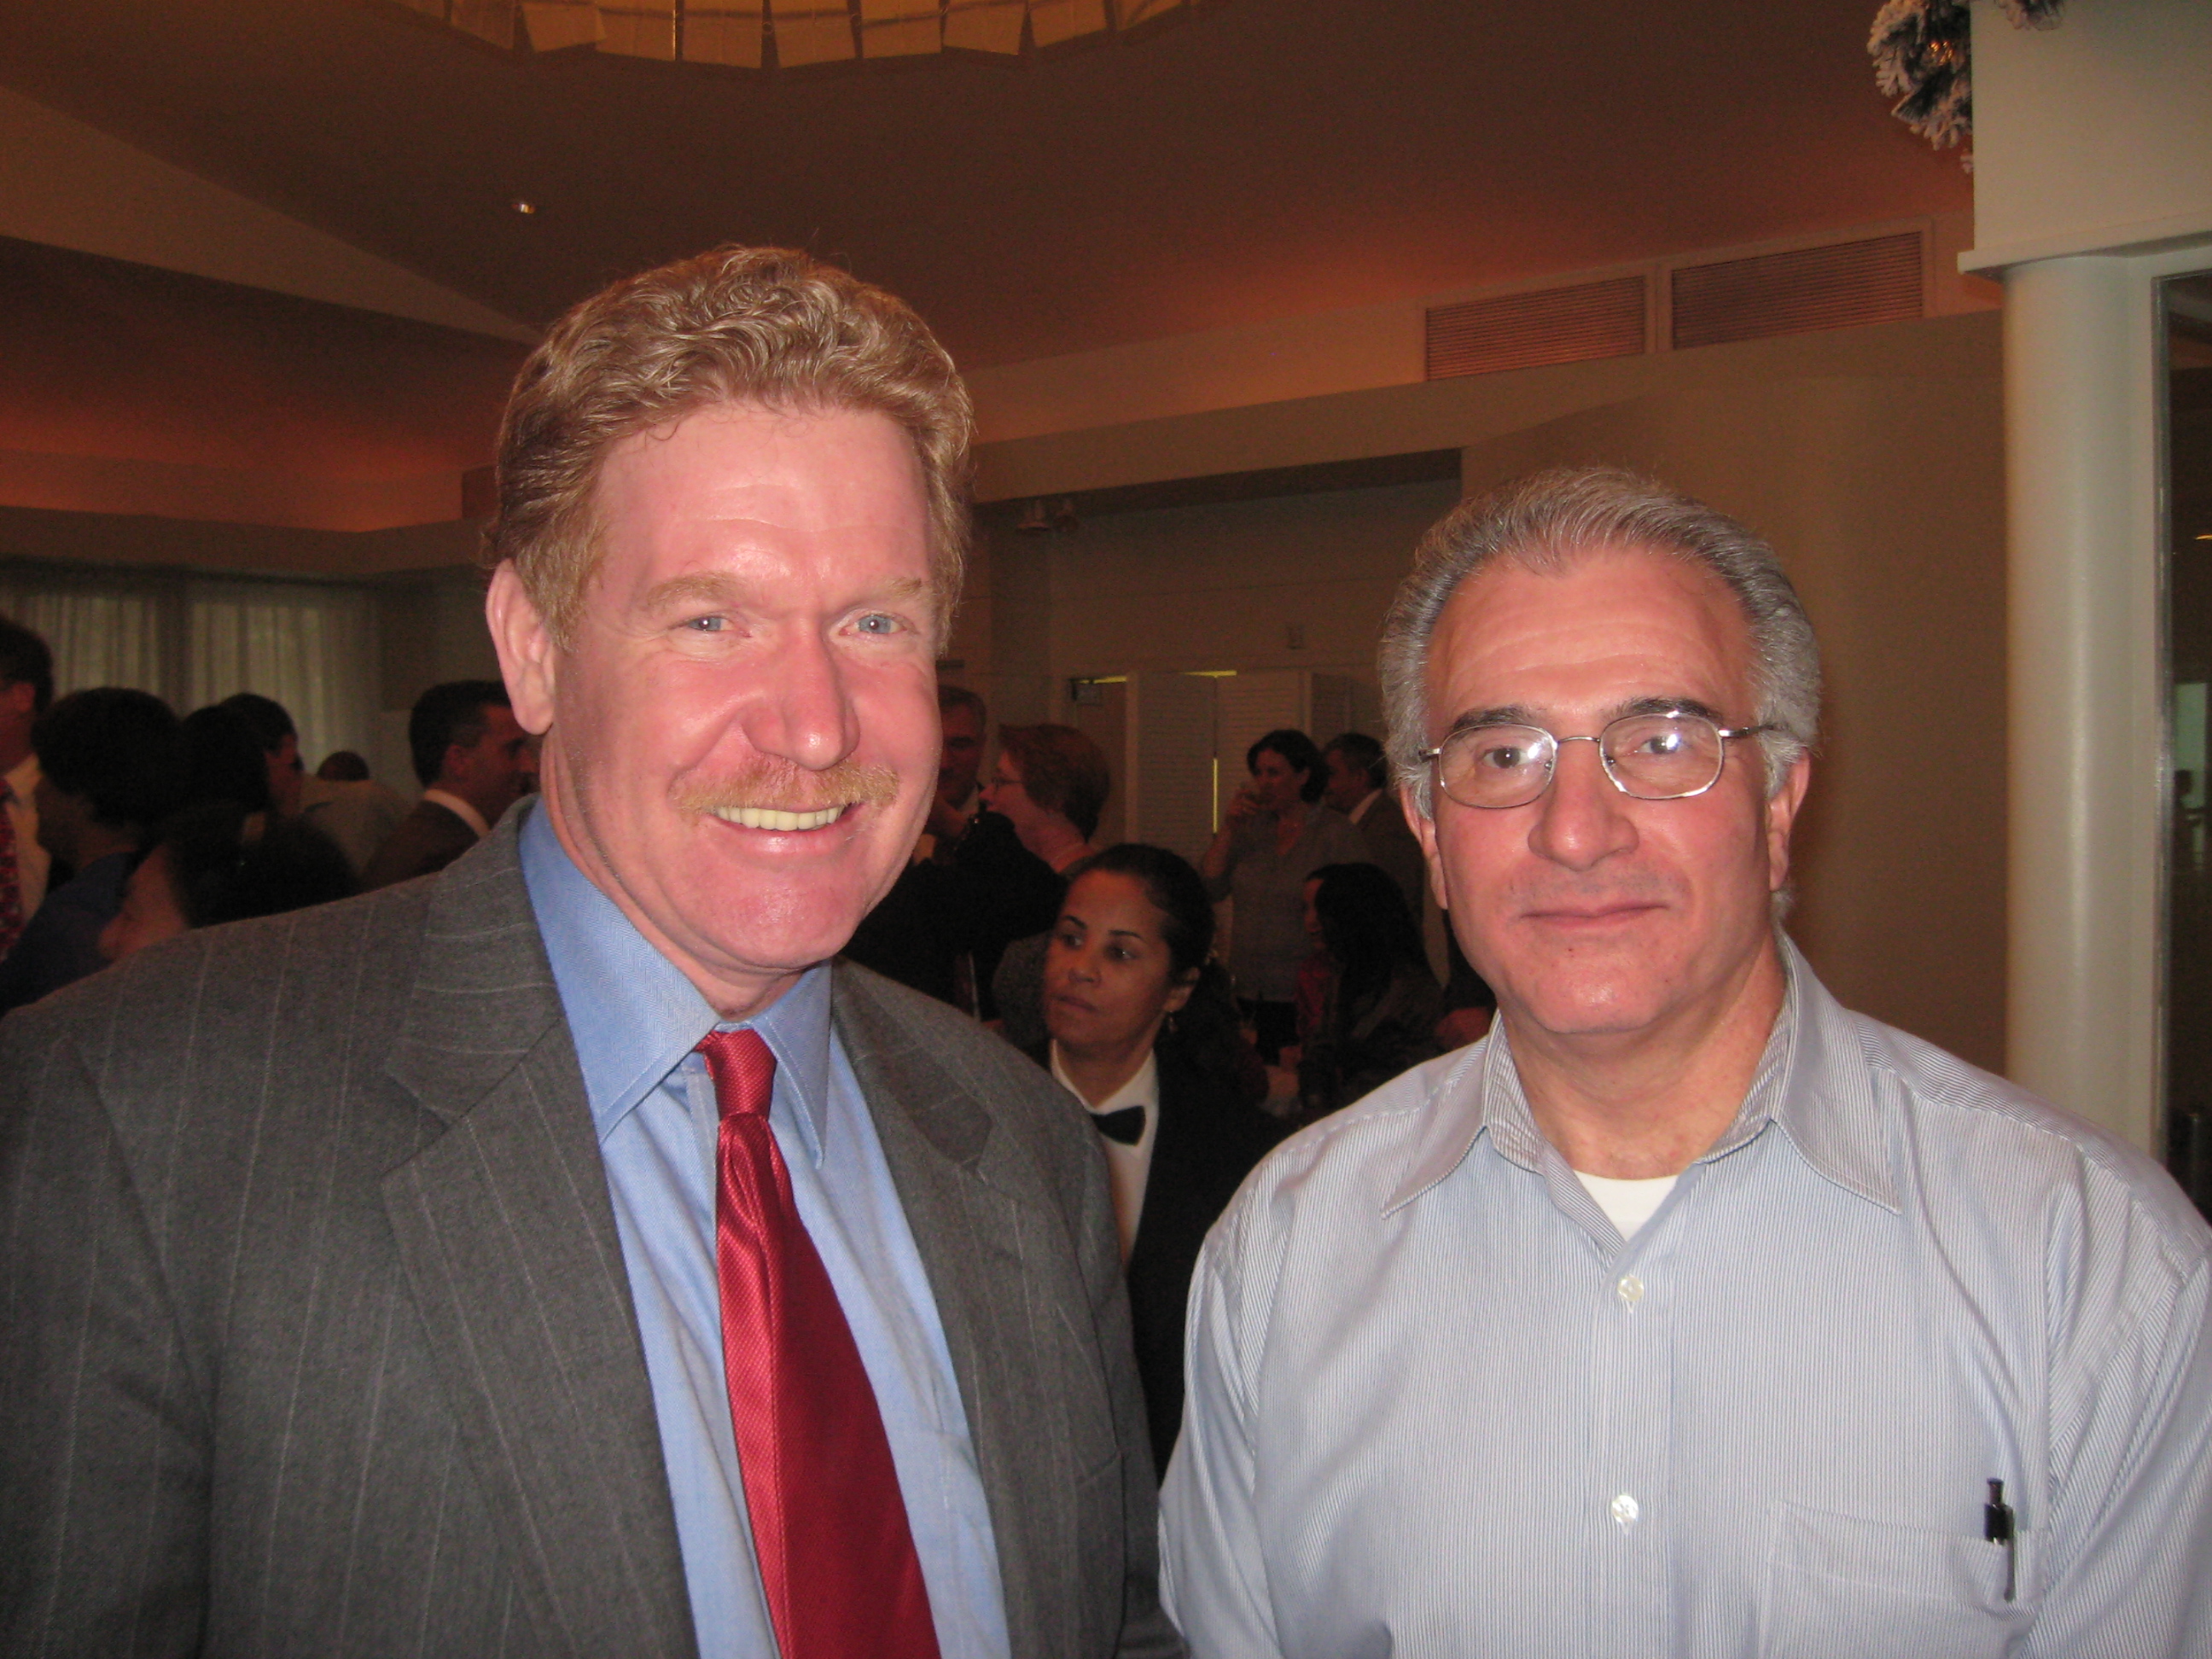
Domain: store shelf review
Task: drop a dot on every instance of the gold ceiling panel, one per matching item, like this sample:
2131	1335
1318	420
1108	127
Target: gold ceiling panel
900	29
805	32
812	31
725	32
639	28
488	20
1052	21
554	24
986	25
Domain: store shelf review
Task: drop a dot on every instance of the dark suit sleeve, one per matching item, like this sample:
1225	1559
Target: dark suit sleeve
104	1453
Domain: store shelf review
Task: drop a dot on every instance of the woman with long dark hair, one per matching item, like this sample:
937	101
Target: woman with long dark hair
1144	1034
1380	1009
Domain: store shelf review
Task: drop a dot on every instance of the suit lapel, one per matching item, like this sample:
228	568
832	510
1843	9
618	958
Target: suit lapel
509	1243
974	1233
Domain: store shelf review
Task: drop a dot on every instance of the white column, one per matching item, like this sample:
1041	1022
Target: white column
2087	737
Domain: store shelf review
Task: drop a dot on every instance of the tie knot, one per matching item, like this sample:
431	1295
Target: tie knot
744	1069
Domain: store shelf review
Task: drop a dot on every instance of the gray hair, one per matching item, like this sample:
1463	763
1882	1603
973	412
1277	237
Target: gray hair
1546	521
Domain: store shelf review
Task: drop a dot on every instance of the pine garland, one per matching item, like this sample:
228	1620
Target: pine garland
1922	51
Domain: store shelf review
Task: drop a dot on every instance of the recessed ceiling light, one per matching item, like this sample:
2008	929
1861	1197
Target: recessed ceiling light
521	206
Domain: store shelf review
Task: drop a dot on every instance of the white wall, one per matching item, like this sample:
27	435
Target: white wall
2095	134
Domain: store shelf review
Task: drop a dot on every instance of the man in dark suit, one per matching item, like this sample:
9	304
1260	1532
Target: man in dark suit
564	1256
474	763
1357	774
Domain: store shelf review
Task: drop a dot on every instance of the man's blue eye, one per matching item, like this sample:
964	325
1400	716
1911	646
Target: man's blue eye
707	624
877	622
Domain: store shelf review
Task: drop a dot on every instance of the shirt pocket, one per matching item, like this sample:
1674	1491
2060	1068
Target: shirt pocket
1841	1587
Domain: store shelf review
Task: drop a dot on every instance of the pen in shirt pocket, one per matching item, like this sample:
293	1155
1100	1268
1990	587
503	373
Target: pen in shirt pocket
1998	1528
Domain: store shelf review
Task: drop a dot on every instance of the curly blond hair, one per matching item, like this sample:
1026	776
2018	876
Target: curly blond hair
768	326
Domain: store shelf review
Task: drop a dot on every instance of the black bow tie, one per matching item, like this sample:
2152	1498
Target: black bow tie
1125	1126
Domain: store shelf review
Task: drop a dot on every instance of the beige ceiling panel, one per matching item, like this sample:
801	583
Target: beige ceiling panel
724	31
984	25
812	31
555	24
900	28
1052	21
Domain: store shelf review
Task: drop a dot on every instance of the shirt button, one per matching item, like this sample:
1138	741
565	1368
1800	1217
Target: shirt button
1626	1509
1630	1290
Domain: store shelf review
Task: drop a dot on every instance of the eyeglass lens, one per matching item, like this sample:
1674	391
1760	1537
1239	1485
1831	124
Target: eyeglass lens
1651	756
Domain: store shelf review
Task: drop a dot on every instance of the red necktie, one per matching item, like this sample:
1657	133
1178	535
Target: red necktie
829	1527
11	875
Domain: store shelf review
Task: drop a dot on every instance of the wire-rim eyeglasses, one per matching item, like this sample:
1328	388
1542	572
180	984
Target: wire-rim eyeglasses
1664	755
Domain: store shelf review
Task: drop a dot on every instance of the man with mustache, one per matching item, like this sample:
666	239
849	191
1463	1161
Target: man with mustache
561	1255
1688	1313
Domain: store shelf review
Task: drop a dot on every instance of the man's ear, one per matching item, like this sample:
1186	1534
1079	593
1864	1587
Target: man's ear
527	655
1781	817
1425	831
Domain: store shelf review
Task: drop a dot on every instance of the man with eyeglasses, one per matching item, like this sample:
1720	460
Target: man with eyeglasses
1689	1313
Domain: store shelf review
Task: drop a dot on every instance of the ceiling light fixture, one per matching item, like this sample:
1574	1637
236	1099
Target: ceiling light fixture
746	34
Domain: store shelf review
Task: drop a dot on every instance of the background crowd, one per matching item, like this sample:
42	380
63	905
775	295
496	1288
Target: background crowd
124	825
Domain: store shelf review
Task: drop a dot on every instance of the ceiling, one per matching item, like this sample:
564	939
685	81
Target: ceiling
1261	158
105	358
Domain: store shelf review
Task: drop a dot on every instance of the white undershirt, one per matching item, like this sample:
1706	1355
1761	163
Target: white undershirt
1628	1204
1128	1167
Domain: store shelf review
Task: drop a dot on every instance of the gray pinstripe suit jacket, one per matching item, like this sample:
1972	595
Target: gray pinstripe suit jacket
317	1337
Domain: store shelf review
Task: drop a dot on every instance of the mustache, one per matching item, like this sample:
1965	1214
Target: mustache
1623	887
778	786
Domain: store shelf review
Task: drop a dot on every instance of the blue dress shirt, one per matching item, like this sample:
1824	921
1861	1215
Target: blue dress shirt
637	1022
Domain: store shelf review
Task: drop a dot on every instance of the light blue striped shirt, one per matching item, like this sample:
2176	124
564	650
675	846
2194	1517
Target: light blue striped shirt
635	1020
1438	1405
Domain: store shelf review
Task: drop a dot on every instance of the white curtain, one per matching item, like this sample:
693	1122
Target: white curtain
100	636
313	649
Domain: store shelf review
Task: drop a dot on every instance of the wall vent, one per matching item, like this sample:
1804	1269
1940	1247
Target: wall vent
1551	326
1839	286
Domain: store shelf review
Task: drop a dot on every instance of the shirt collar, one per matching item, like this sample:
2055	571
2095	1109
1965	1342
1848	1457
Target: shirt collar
1143	1088
634	1016
464	811
1825	1106
21	780
1365	801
